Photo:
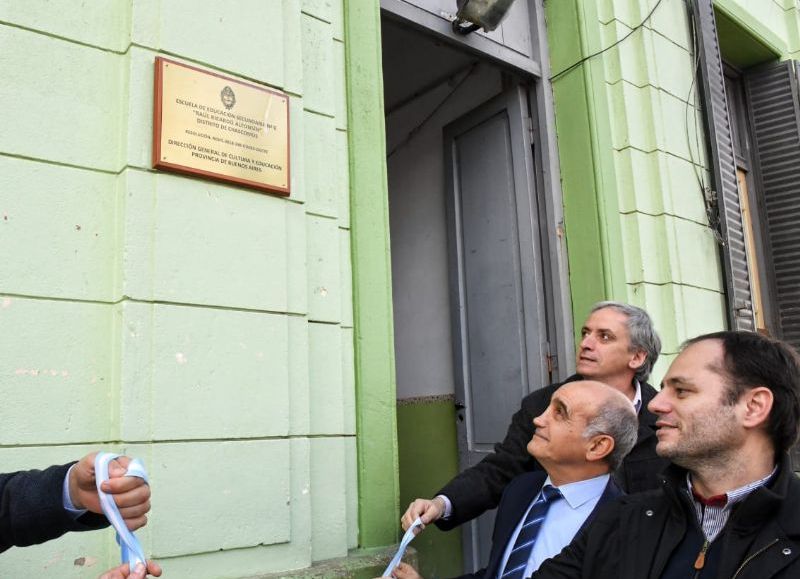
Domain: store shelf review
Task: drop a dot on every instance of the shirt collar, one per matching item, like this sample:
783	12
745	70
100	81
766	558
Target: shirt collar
578	493
731	497
637	397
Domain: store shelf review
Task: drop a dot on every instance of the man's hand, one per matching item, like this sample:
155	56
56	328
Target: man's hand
131	494
429	511
405	571
124	572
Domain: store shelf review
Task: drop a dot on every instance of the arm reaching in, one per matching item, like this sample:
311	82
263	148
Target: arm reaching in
429	511
33	510
479	488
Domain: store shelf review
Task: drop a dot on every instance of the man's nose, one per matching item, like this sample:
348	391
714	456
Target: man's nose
658	405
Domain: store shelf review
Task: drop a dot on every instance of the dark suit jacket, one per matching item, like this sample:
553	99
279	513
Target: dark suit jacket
32	511
479	488
516	498
642	533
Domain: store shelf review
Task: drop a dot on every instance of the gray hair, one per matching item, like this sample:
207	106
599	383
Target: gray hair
615	418
642	334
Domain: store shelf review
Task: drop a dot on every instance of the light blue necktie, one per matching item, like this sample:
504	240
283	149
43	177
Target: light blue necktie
131	550
518	559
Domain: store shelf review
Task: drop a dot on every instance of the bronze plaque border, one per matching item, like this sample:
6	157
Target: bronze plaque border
191	171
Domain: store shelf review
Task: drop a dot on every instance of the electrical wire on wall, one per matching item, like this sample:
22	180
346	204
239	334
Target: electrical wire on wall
708	194
413	132
633	30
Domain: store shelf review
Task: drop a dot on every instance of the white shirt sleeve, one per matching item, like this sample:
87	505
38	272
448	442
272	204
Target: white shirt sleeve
67	501
448	506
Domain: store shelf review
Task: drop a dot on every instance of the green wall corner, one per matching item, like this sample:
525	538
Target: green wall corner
758	43
591	210
378	514
739	46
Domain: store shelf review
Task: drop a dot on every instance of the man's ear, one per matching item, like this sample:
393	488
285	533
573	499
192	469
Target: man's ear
638	359
756	404
599	447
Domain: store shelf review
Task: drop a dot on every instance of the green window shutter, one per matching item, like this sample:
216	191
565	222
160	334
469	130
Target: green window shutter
723	169
772	94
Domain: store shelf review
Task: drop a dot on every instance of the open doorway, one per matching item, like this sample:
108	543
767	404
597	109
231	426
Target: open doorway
472	265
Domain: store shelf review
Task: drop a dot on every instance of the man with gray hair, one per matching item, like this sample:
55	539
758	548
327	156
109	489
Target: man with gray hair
582	436
729	504
618	347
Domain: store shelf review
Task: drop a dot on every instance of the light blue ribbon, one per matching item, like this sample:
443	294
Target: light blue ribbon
407	538
131	550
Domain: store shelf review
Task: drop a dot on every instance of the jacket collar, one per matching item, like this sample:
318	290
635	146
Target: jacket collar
647	420
779	500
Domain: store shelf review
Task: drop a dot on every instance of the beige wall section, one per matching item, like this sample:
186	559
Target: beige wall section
650	156
202	327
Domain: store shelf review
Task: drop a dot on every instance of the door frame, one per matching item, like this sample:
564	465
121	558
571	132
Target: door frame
531	263
376	437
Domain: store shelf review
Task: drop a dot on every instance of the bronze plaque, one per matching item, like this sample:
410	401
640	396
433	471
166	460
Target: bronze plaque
215	126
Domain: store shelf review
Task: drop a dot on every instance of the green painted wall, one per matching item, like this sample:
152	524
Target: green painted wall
631	153
208	329
428	460
372	286
592	233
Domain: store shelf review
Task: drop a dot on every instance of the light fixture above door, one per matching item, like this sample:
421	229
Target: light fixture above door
474	14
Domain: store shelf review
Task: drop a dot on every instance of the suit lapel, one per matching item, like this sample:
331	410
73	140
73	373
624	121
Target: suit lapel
513	506
647	420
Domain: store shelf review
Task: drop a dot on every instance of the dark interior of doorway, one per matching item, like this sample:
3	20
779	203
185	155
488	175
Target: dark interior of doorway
428	84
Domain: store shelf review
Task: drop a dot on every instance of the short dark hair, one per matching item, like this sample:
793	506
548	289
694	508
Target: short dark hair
752	360
642	334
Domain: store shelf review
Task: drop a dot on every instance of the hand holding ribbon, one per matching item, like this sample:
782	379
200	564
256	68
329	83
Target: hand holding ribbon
407	538
131	550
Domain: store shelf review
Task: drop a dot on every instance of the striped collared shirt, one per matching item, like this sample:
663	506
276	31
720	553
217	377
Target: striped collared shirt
712	518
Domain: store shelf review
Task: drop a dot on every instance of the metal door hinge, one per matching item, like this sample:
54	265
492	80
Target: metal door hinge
552	363
529	126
